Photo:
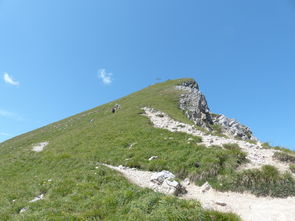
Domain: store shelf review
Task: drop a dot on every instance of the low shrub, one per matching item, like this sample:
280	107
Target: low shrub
231	146
264	182
292	168
284	157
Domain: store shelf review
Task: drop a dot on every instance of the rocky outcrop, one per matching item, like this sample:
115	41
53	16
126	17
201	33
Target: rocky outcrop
194	104
232	128
195	107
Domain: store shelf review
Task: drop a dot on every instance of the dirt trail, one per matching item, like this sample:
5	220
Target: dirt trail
247	206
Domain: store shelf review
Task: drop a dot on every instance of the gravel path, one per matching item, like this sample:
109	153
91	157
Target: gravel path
247	206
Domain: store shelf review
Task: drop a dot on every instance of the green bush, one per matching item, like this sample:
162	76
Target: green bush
231	146
284	157
264	182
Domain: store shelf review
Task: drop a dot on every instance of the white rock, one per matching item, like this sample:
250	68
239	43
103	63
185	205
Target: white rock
219	203
23	210
187	181
161	176
205	187
121	167
153	158
39	147
37	198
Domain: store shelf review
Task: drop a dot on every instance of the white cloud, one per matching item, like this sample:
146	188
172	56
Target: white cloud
8	79
4	134
104	76
11	115
4	113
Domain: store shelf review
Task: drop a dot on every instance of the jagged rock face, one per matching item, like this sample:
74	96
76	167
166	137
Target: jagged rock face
195	106
232	128
194	103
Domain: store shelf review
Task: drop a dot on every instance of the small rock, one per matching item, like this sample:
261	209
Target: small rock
39	147
187	181
153	157
161	176
23	210
49	180
220	203
206	187
37	198
121	167
172	187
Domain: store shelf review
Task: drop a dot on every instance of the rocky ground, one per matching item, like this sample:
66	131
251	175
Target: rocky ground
256	154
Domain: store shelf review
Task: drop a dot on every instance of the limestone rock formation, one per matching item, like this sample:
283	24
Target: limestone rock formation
164	182
194	103
195	106
232	128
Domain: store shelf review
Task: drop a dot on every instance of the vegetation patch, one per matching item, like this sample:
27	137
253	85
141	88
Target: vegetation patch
264	182
78	191
292	168
284	157
231	146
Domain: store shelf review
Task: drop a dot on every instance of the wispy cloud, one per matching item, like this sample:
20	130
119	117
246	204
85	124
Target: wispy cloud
9	80
4	113
7	114
3	134
104	76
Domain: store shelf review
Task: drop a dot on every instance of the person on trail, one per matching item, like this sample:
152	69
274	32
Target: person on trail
115	108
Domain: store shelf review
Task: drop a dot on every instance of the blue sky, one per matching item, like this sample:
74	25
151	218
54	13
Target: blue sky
53	53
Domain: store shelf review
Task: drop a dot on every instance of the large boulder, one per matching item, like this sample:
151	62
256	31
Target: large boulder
160	177
164	182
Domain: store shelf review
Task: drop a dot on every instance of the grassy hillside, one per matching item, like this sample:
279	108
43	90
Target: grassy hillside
76	190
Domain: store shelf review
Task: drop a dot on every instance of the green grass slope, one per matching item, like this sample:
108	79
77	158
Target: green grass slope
76	190
66	170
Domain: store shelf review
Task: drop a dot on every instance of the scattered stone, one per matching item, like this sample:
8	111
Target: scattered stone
121	167
23	210
39	147
205	187
187	181
159	177
131	145
49	180
37	198
153	158
220	203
